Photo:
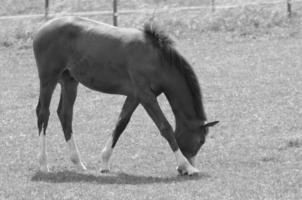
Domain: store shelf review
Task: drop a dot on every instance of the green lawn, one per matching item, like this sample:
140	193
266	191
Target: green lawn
253	86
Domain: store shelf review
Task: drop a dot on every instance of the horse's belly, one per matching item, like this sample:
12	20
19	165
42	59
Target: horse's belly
108	79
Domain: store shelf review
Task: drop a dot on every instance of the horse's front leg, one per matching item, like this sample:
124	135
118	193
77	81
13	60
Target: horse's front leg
150	103
124	118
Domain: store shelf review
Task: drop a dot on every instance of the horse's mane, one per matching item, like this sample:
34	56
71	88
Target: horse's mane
165	44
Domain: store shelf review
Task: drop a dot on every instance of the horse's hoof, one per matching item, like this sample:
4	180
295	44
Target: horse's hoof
75	159
44	168
105	168
43	163
81	166
182	171
187	170
104	171
194	173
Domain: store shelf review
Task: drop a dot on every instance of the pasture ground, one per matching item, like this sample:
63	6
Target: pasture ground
14	7
251	84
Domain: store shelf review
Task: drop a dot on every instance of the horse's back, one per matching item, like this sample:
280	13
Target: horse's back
68	34
98	55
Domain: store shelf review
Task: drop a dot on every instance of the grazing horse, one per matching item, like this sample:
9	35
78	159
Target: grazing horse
140	64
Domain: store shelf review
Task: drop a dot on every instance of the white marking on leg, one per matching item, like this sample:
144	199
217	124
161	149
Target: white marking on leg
106	154
183	165
180	158
193	161
42	157
74	154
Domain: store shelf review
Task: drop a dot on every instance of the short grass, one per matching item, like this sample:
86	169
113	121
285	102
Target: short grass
252	85
15	7
241	22
248	62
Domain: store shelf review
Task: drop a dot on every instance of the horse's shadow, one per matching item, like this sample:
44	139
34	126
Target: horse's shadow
110	178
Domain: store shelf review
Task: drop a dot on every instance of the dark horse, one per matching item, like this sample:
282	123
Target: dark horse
140	64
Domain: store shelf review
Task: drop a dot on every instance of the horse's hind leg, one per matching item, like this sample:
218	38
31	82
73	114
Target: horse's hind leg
46	90
124	118
65	111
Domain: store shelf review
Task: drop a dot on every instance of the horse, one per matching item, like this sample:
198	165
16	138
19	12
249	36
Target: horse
140	64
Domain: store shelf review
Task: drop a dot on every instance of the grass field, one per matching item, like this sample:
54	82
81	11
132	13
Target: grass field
252	87
251	80
15	7
37	6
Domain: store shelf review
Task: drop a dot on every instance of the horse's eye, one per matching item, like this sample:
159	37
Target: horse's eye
206	130
202	140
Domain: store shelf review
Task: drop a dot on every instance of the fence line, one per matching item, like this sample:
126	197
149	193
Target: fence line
147	11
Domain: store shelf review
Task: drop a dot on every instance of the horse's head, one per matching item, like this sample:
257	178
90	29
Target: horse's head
190	141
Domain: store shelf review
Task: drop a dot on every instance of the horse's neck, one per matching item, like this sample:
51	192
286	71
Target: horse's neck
180	99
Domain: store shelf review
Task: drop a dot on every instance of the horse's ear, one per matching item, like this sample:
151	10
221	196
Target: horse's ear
211	124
